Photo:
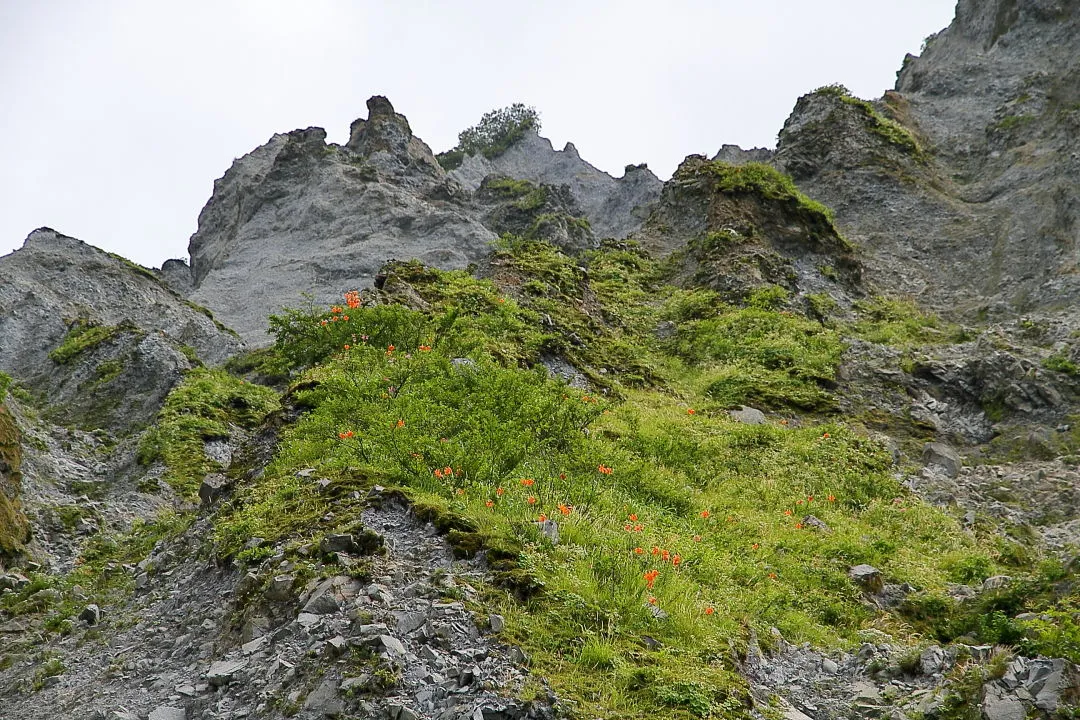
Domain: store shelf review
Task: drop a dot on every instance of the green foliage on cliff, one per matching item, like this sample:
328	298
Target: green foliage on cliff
889	130
203	407
493	135
84	335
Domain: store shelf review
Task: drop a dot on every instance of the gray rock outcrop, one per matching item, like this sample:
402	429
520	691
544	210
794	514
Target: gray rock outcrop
297	215
55	286
614	207
978	170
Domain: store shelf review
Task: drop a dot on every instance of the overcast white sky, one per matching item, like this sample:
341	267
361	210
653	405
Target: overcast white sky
116	116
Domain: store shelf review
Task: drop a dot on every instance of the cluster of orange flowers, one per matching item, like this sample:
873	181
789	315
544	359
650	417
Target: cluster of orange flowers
352	299
424	348
446	472
345	435
650	578
605	470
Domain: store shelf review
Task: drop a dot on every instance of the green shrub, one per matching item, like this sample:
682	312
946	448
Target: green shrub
493	135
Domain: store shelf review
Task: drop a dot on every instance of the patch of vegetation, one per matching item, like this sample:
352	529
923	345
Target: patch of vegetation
84	335
48	668
889	130
1011	122
763	180
675	521
1044	594
108	370
14	529
493	135
1060	362
526	195
201	408
901	323
768	183
5	383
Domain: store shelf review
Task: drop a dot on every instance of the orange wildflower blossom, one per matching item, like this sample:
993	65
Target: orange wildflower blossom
499	491
490	503
346	347
565	509
825	436
400	423
527	482
798	526
389	349
675	560
345	435
639	528
424	348
690	411
650	577
632	517
788	513
605	470
831	498
705	514
655	550
652	599
541	518
755	546
438	472
352	299
639	551
772	576
710	610
531	500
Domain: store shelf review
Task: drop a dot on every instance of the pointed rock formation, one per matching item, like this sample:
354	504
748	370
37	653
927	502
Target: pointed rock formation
298	216
614	207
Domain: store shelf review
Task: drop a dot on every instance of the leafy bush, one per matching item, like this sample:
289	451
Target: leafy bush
493	135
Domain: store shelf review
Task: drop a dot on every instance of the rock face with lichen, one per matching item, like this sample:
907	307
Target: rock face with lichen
615	207
974	165
101	339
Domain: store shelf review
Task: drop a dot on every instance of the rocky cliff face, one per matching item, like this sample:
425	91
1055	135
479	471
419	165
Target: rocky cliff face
299	216
614	207
985	177
79	325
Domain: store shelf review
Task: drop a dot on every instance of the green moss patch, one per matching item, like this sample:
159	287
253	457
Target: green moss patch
84	335
202	407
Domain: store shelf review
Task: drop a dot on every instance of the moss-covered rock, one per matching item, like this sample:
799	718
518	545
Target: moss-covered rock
14	529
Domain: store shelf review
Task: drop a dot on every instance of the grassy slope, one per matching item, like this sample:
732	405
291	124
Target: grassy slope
729	500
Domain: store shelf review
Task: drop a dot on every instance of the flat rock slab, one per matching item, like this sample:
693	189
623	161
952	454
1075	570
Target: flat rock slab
222	672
